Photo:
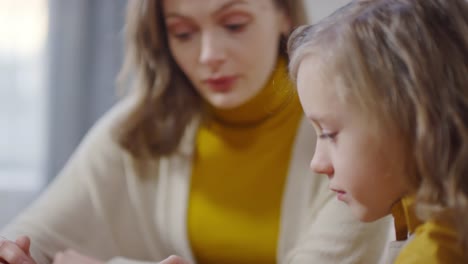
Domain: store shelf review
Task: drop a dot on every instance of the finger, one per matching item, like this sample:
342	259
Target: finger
1	259
24	243
12	254
58	258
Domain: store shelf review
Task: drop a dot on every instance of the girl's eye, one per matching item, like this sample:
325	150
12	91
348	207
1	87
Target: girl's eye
330	136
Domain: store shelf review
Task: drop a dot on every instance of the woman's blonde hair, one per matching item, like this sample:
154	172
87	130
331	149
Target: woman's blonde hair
405	62
166	100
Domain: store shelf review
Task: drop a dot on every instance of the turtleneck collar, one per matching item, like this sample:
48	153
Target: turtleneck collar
405	217
275	95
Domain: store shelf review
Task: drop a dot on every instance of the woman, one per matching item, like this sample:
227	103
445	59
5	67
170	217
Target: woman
205	159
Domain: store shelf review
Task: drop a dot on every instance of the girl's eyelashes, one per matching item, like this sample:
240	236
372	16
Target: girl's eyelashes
323	131
330	136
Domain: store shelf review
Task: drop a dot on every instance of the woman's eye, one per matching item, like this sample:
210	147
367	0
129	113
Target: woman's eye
181	31
182	36
235	27
236	22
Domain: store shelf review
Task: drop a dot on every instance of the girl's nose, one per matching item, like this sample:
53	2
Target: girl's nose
321	164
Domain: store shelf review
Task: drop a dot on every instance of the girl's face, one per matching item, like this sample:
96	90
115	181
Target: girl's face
227	48
363	162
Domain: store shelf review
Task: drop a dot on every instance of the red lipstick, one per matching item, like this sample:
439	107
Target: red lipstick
221	84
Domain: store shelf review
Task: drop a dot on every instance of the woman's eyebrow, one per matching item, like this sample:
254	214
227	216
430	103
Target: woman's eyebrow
220	9
229	5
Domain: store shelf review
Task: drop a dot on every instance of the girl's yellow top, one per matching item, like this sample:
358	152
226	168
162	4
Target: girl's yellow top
429	242
239	171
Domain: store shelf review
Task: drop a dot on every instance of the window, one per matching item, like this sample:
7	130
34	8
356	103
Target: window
23	31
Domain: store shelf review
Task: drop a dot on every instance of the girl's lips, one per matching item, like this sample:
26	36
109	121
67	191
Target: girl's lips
221	84
340	195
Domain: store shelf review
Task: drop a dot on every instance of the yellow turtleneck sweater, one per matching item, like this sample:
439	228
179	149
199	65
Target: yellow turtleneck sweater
240	166
434	242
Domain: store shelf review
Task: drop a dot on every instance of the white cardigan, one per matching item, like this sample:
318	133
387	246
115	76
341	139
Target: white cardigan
110	206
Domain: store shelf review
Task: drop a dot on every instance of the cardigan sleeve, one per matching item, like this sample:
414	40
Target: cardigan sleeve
87	207
333	235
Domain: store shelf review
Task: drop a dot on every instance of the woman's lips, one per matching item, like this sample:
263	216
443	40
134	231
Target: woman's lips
222	84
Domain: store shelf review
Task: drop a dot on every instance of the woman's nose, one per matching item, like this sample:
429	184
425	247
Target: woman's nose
212	51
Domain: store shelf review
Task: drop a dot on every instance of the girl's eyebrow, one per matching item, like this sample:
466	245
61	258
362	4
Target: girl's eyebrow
315	121
315	118
223	7
320	120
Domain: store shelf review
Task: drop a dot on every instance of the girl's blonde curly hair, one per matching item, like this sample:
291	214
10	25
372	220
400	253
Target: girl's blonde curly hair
406	63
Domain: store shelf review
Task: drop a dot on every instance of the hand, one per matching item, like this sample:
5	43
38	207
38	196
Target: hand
72	257
16	252
174	260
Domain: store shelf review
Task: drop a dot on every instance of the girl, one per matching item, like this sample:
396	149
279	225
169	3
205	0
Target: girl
205	159
385	83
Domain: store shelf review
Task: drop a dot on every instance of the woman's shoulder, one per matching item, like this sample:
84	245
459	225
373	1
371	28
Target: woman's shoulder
100	159
114	117
100	144
105	128
433	242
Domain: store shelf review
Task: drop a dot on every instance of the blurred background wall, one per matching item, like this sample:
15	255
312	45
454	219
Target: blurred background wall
58	63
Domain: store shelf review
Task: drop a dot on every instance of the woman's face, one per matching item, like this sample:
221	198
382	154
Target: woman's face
227	48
